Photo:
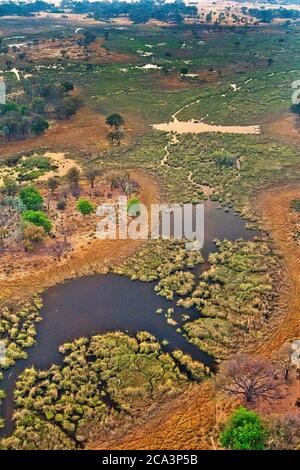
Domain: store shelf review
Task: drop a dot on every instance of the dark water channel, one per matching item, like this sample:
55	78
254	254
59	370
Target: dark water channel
102	303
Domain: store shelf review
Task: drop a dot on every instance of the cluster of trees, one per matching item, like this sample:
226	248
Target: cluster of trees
19	121
21	214
23	9
24	212
139	12
251	379
268	15
30	114
86	39
35	224
246	430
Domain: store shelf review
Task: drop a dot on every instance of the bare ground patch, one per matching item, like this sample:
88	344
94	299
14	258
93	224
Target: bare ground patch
279	219
285	128
81	133
69	48
173	82
187	422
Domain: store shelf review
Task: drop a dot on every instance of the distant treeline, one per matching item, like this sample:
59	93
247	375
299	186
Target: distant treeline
266	16
272	2
139	12
30	112
23	9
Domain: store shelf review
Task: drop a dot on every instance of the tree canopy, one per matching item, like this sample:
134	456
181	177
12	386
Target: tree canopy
84	207
37	218
31	198
115	120
244	431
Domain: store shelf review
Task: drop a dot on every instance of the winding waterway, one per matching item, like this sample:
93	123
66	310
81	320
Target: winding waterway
101	303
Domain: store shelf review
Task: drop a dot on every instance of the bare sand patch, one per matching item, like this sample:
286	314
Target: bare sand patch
81	133
68	48
173	82
278	218
198	127
62	163
82	18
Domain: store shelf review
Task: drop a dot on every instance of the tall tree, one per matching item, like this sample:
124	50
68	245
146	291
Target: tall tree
115	120
73	176
52	184
91	173
250	378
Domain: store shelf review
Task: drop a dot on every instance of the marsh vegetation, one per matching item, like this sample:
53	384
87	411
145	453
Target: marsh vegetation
17	333
103	381
158	259
235	297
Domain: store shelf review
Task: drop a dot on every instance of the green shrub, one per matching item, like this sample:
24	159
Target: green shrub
37	218
31	198
84	206
133	207
244	431
42	163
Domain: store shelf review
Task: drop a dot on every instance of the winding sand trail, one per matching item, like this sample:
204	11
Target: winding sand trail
280	221
185	422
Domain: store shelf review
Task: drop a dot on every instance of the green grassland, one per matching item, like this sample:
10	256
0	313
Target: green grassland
105	87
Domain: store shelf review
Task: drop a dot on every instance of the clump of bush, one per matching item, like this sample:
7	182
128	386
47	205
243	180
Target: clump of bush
235	297
295	205
37	218
180	283
17	330
31	198
197	370
85	207
244	431
133	206
17	333
103	379
159	258
61	204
